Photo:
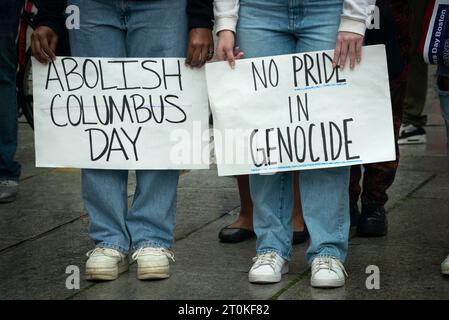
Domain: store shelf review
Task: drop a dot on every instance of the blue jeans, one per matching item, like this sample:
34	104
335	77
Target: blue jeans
443	71
9	21
274	27
118	28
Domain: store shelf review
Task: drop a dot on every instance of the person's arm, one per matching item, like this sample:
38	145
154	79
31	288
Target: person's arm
50	13
355	15
201	43
49	22
226	17
351	32
200	14
226	14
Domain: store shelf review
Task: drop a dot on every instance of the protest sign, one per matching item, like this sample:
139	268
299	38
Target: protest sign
120	113
435	39
295	112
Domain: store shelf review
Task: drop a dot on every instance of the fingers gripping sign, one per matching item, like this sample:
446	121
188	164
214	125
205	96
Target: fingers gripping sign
348	44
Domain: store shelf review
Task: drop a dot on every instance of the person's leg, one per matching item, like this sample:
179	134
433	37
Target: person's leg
101	34
263	30
154	29
325	203
443	90
106	201
242	229
354	193
151	218
9	169
300	231
415	96
324	192
378	177
245	219
273	203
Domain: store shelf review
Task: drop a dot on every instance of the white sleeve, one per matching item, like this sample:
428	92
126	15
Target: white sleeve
355	15
226	14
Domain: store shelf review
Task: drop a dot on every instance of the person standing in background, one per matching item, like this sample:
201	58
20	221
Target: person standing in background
443	91
242	228
412	131
378	177
9	168
124	28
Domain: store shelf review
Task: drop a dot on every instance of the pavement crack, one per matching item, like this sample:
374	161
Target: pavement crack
40	235
204	225
292	283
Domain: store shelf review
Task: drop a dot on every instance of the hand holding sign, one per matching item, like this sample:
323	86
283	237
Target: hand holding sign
348	43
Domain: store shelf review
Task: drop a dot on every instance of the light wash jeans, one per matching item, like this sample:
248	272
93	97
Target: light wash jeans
274	27
118	28
443	71
9	22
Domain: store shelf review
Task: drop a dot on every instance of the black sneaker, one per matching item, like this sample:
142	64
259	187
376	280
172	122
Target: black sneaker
373	222
409	134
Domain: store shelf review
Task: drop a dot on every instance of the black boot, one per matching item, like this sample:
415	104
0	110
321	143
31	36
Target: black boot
373	221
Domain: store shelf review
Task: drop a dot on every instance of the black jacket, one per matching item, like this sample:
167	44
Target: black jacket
51	14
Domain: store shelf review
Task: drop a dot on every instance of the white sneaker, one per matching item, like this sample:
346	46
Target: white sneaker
268	268
445	266
153	263
327	272
105	264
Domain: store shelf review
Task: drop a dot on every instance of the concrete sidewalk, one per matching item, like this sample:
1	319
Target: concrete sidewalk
45	231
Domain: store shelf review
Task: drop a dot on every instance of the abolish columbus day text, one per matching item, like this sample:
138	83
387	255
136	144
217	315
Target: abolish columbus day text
115	113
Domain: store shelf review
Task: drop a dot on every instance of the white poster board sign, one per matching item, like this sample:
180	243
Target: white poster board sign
294	112
120	113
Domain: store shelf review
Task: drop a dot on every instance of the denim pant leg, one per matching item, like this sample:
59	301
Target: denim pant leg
106	200
9	20
444	103
102	34
263	30
324	192
325	204
273	204
155	29
151	219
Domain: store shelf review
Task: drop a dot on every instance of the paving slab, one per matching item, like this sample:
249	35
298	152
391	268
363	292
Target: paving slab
25	151
434	146
409	257
43	260
437	188
424	163
204	269
57	189
405	273
36	269
405	183
29	223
